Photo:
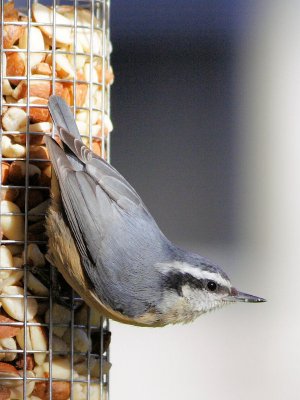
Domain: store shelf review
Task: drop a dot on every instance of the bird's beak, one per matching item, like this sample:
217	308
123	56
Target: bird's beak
244	297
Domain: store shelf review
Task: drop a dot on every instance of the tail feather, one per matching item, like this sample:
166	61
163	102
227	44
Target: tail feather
64	122
62	116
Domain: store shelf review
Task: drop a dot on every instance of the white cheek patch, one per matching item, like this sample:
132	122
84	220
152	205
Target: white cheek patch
196	272
198	300
202	302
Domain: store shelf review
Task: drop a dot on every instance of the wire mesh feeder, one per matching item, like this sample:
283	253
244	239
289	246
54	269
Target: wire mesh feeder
51	344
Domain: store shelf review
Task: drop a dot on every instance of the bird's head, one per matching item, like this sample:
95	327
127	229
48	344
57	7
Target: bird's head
196	286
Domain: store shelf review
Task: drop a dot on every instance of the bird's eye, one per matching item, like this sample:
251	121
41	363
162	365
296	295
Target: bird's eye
211	286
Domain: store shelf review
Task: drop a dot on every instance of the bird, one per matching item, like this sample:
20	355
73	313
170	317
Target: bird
110	250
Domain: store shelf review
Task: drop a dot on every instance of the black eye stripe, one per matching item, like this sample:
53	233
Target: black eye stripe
176	280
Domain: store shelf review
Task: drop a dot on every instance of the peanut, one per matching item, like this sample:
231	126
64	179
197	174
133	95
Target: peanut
60	390
7	331
4	172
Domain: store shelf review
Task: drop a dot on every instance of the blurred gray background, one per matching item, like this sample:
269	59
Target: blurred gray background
173	111
206	114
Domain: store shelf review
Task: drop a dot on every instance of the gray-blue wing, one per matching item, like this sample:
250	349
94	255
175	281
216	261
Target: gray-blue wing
117	238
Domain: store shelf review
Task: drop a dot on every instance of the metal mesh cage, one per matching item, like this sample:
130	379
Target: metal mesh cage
52	345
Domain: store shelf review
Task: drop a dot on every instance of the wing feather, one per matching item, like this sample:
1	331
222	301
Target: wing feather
114	232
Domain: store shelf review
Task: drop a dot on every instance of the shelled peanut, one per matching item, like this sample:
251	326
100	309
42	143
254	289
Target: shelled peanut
38	317
30	76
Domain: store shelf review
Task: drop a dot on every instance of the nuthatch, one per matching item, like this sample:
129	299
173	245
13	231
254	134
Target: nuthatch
108	247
